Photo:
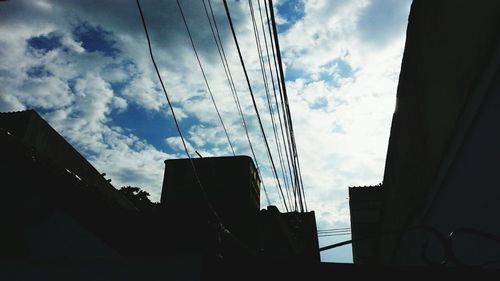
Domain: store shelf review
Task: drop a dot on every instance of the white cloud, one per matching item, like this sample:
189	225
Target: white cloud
46	92
131	161
71	44
119	103
10	103
145	92
379	22
177	144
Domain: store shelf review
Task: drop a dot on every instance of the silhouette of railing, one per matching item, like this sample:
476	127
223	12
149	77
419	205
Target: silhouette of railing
446	242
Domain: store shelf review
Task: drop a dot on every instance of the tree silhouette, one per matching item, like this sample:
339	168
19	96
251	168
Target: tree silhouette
139	198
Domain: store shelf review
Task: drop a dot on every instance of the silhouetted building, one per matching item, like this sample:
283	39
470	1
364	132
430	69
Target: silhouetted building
227	192
55	207
32	130
365	204
51	210
442	160
288	236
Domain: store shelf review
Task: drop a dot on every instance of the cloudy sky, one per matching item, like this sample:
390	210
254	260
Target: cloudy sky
85	67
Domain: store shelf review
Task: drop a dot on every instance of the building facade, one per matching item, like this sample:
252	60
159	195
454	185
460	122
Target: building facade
441	168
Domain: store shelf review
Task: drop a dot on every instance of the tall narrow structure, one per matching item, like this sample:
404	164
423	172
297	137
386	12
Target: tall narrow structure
365	204
224	190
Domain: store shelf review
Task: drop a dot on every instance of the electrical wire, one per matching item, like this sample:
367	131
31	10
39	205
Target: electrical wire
331	235
205	77
286	140
334	229
253	97
287	108
227	71
215	217
287	143
299	193
334	232
286	174
212	210
266	88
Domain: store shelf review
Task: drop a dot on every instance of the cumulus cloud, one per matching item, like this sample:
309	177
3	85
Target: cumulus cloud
145	92
379	22
10	103
47	92
176	144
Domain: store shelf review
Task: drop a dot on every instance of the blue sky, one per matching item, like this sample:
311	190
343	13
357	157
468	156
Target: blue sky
84	66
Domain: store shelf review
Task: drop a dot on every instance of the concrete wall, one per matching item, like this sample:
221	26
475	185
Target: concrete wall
450	45
60	236
469	193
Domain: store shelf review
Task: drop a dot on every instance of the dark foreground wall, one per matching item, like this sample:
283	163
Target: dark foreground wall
443	149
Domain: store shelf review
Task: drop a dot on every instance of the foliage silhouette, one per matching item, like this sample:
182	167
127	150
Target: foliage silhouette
139	198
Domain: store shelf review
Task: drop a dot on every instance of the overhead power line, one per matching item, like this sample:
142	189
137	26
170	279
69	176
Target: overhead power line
229	77
253	99
334	234
286	141
286	173
205	77
204	194
293	172
215	219
334	229
338	231
266	88
287	109
264	78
